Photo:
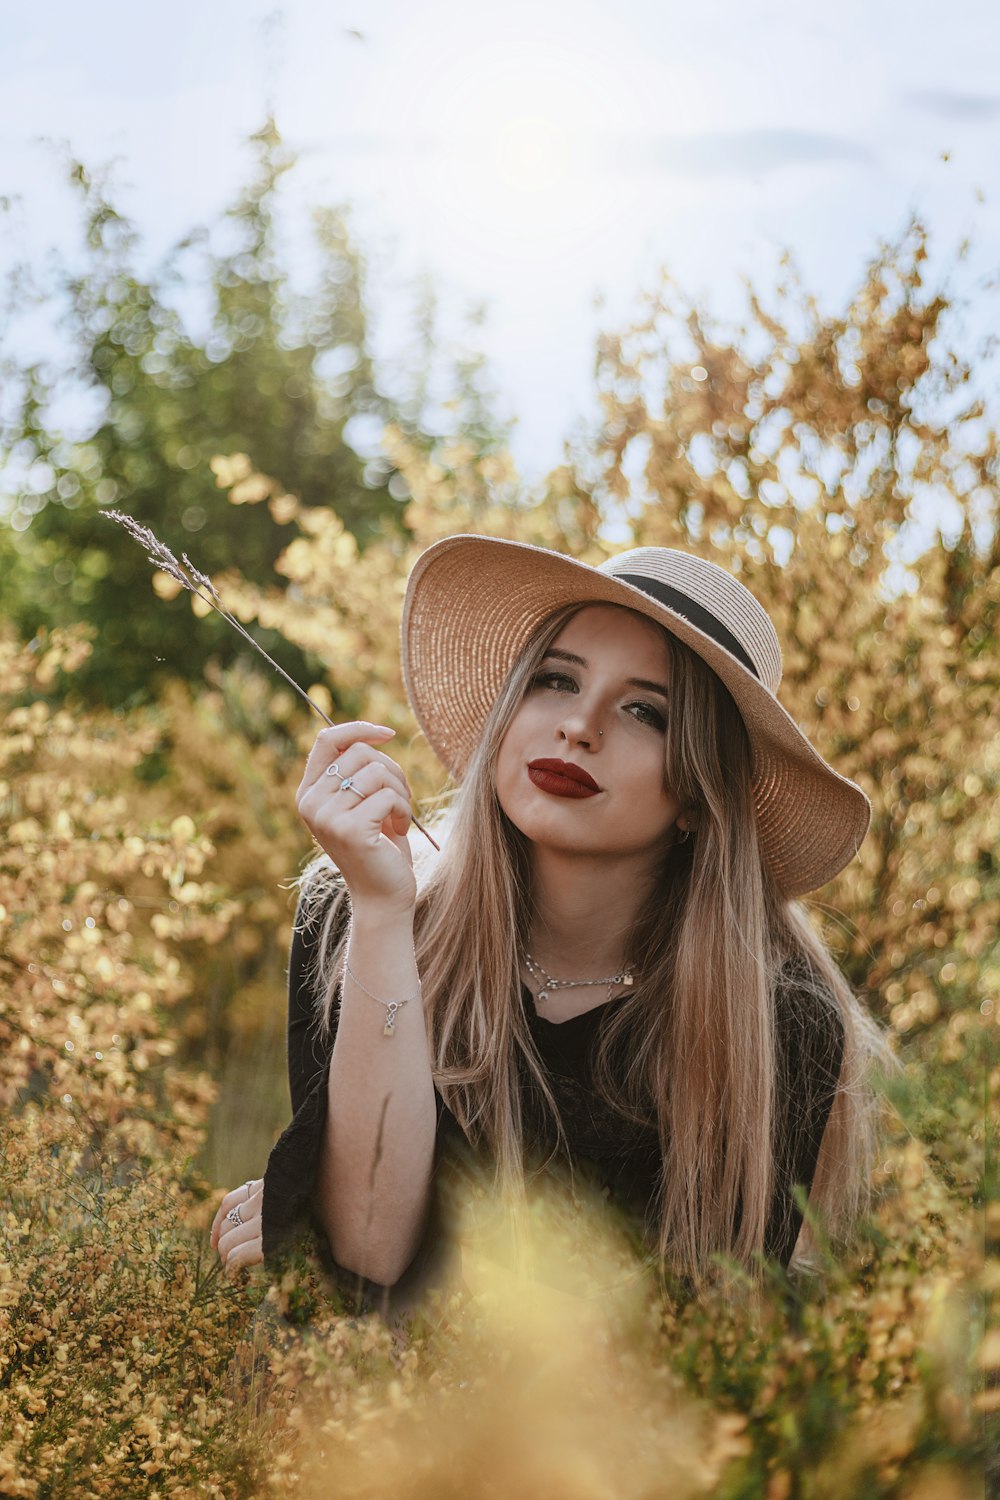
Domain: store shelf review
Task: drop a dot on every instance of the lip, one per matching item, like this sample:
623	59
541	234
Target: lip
562	778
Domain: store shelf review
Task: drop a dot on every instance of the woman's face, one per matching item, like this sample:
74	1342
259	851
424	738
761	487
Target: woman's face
597	707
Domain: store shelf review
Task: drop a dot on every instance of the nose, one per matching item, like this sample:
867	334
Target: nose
579	727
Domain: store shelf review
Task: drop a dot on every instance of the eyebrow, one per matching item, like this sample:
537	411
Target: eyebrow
578	661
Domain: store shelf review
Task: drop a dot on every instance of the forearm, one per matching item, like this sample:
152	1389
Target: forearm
378	1148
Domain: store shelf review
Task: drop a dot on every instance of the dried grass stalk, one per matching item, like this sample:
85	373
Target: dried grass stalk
191	578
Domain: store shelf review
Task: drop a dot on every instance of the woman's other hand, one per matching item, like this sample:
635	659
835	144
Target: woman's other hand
236	1228
355	801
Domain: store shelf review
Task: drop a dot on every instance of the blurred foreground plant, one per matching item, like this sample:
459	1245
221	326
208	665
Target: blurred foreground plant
589	1379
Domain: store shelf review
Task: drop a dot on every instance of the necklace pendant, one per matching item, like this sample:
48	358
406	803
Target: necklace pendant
543	995
627	979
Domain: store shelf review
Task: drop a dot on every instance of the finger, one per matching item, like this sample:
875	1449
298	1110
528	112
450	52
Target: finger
350	762
223	1224
397	825
248	1206
250	1254
220	1214
338	812
329	743
385	807
239	1195
234	1235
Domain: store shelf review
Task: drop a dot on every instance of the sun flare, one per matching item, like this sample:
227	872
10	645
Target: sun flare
533	154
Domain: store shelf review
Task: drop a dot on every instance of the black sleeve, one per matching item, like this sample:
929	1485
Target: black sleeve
292	1166
811	1050
308	1048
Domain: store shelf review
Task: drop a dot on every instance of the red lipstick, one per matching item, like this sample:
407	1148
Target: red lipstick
561	779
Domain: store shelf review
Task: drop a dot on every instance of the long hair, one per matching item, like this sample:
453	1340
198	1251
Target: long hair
694	1049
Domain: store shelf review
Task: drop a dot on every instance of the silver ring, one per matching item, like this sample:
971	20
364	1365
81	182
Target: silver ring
333	770
248	1186
234	1216
348	786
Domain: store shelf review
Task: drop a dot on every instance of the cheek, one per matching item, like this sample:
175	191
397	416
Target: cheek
508	759
521	741
516	735
649	792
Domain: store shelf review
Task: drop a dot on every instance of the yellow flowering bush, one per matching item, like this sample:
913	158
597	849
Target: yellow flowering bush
115	1332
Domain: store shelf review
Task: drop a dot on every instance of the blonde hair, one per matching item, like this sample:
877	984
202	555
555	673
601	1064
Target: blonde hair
694	1049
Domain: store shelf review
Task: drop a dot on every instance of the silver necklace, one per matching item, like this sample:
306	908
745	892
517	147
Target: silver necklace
549	983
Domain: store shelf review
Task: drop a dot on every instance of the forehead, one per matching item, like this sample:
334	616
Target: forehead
608	631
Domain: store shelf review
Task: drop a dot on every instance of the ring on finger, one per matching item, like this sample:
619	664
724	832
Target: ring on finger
348	786
234	1216
333	770
248	1186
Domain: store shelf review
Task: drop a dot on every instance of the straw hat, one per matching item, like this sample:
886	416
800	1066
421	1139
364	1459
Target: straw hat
472	602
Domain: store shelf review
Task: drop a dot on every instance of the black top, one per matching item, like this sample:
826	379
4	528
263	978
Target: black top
622	1160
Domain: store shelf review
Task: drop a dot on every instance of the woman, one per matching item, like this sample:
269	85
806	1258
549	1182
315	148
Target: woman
606	969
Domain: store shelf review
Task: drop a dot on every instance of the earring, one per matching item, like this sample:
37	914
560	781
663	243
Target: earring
683	837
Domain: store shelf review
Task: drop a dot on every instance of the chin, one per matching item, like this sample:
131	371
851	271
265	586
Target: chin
547	828
535	824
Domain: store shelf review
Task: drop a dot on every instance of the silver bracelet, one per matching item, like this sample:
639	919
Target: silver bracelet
391	1006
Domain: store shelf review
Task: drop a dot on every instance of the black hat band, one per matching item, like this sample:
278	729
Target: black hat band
696	614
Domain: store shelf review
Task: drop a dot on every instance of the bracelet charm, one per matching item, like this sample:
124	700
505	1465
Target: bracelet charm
391	1006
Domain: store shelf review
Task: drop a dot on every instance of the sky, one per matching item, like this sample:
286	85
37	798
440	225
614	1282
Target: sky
543	160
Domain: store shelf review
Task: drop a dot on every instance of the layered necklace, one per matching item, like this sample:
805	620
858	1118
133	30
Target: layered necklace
549	983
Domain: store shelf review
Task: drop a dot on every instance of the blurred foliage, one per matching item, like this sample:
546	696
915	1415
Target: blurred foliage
859	1382
115	1329
143	923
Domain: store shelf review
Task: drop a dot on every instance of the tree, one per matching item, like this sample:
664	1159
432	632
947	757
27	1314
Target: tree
277	375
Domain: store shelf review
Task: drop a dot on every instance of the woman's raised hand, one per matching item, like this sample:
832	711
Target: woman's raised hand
236	1228
355	802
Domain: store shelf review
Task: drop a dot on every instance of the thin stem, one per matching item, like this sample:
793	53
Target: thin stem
191	578
291	682
269	659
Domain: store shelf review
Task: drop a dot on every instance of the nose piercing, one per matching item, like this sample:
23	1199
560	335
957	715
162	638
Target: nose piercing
600	731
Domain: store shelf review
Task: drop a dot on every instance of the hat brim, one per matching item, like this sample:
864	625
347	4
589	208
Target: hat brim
473	602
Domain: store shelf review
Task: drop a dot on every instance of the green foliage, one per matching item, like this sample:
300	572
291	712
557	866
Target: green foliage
275	373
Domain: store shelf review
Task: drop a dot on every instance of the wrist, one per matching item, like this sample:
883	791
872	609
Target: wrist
383	920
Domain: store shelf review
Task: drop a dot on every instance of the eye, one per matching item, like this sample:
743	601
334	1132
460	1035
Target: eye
560	682
647	713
